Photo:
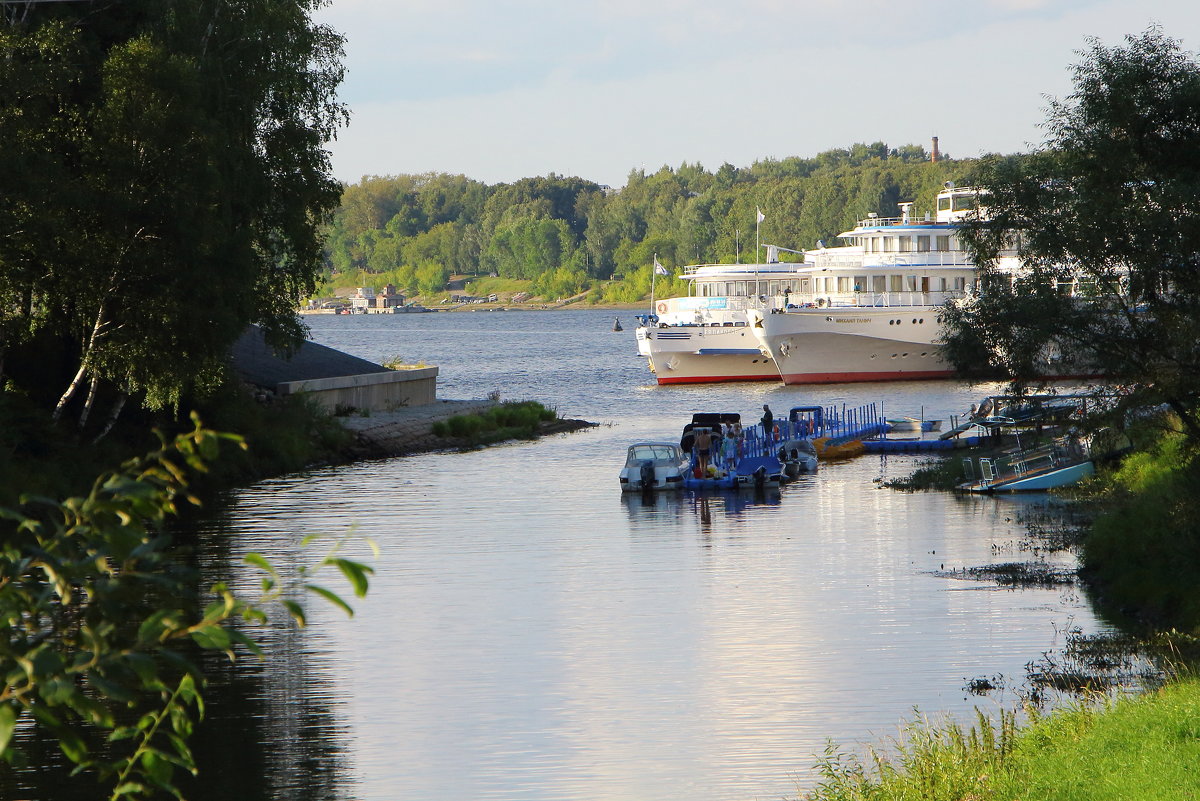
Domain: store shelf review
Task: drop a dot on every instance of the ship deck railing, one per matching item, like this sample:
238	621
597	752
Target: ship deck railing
835	300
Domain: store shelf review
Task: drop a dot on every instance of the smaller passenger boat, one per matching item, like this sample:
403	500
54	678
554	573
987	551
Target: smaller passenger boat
653	466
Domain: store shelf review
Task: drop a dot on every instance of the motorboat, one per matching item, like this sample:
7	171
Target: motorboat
651	466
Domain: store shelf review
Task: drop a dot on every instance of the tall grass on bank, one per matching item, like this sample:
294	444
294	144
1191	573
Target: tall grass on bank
1143	748
928	761
509	420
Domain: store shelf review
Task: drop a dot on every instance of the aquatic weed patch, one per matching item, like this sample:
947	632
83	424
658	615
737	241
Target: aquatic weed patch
1015	574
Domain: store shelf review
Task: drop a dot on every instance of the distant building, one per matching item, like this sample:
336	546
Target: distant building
363	298
389	299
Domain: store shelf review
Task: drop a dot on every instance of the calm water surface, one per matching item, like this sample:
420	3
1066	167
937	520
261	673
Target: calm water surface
532	634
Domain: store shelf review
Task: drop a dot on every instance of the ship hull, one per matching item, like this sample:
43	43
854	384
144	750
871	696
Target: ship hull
703	354
853	344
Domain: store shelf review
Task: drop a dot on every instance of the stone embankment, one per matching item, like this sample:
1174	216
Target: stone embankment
409	430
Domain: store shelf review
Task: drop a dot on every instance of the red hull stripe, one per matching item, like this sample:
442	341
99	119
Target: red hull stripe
845	378
713	379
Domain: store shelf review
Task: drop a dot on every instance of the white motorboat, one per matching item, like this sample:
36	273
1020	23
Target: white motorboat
653	466
705	337
869	310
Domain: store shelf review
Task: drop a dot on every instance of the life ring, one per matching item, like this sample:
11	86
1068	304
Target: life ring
662	308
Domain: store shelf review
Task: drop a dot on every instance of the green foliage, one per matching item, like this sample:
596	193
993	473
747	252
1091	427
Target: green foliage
568	236
1145	747
1143	552
1135	748
165	185
99	620
508	420
930	761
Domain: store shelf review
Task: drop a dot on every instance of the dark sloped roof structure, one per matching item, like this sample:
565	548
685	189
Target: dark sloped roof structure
258	364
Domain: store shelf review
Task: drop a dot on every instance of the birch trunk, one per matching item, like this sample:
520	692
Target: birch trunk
112	417
91	399
83	366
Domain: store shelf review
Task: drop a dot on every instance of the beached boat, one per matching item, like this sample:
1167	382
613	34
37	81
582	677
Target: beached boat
704	336
869	310
1036	470
653	466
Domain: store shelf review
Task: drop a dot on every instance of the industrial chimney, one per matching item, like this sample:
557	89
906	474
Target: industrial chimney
934	155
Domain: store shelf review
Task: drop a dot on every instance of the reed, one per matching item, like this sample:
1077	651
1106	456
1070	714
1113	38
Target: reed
508	420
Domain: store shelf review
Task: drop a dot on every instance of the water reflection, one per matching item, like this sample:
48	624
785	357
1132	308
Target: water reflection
270	728
528	635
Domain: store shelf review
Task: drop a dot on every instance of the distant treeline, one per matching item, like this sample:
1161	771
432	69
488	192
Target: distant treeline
569	235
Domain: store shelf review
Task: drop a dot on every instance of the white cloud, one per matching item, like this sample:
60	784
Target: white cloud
501	91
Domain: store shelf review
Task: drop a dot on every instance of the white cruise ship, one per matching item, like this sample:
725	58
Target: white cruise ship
868	311
705	336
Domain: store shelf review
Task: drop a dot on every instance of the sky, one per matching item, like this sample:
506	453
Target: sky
499	90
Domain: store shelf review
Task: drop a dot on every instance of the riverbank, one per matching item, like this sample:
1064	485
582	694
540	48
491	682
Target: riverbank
1140	748
408	431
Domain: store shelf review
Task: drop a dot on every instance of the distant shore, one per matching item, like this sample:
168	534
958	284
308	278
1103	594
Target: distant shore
501	306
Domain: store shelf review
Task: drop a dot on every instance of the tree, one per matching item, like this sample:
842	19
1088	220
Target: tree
191	181
1105	219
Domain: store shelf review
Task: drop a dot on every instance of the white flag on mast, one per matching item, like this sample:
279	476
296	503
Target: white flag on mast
760	216
658	268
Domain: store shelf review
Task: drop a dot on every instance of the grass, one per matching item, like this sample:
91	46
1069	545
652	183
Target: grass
509	420
1128	749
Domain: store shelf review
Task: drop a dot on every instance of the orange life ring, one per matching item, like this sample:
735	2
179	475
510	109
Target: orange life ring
662	308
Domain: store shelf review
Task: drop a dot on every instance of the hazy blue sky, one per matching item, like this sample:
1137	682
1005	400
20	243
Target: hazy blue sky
500	90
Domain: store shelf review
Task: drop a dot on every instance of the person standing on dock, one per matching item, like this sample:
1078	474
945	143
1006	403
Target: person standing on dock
768	422
702	444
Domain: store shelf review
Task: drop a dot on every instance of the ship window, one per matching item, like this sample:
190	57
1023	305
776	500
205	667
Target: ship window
943	242
943	204
889	244
905	243
960	284
879	283
910	283
860	283
922	244
843	283
895	283
740	288
964	202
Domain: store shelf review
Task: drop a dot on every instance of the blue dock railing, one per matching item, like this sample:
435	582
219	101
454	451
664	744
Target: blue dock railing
758	447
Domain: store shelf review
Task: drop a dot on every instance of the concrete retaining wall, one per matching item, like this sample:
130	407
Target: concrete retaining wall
376	392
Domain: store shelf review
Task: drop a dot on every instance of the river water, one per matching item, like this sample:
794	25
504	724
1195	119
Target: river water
532	634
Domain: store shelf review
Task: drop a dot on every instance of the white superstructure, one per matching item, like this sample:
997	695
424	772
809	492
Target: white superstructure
705	336
869	310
